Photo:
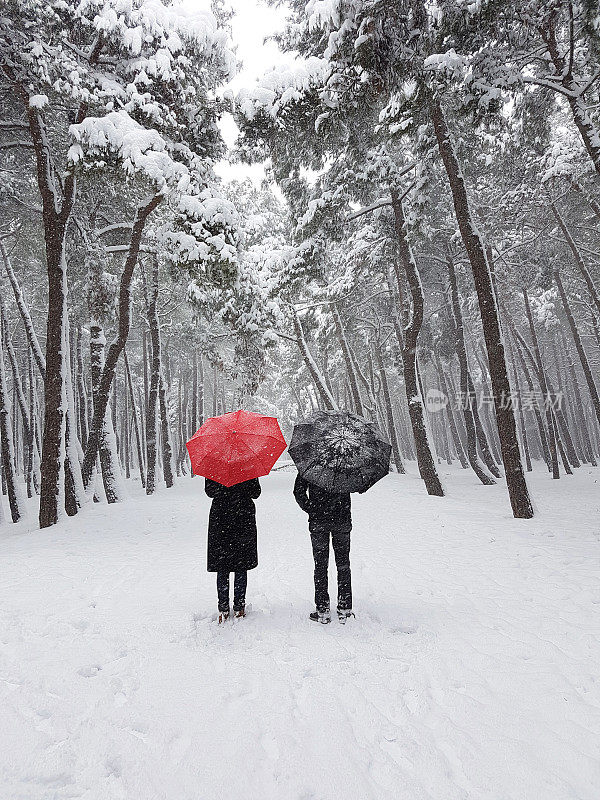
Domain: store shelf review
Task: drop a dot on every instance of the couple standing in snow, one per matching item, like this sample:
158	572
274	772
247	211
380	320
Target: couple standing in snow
232	543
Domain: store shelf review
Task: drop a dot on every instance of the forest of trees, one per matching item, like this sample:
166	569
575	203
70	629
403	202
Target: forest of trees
429	228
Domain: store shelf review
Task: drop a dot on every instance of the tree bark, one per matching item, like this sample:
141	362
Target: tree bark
82	405
136	425
460	453
116	348
341	334
524	440
311	365
593	390
507	429
24	312
466	384
578	259
167	449
391	425
578	404
107	451
408	343
8	459
544	387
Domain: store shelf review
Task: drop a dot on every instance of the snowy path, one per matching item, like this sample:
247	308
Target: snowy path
471	670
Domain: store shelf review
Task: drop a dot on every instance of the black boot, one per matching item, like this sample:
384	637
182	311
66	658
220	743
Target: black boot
321	616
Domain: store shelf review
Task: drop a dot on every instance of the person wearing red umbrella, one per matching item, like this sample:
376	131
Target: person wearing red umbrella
232	541
232	451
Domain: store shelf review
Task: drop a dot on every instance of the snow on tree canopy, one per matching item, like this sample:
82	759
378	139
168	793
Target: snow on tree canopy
283	86
134	24
139	149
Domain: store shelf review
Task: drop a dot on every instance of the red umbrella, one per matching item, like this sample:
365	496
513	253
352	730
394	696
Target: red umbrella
236	447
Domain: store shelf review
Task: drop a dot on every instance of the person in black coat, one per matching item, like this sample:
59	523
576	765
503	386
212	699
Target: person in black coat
329	517
232	543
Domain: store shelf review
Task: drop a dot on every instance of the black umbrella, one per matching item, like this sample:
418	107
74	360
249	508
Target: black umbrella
340	452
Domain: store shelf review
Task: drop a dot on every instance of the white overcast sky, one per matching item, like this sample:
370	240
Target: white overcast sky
252	23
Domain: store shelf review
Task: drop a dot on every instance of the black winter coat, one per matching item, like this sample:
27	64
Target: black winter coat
232	526
326	510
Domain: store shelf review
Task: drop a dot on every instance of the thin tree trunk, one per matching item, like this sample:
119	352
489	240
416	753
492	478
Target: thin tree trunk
109	464
82	405
125	425
136	426
341	334
311	365
201	392
480	434
74	490
408	343
517	389
588	449
522	349
466	385
30	480
167	449
215	390
578	258
117	346
391	425
194	410
24	312
8	460
593	390
544	387
460	453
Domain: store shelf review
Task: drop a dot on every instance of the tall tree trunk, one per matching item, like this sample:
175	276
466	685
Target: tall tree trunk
450	414
311	365
408	343
593	390
82	405
544	387
588	449
109	464
17	381
194	410
117	346
480	434
24	312
54	384
31	474
466	384
201	393
522	349
8	460
125	424
391	425
167	449
136	425
215	392
578	259
341	334
74	491
507	429
517	389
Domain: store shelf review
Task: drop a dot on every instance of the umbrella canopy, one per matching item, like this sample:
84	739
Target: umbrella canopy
236	447
340	452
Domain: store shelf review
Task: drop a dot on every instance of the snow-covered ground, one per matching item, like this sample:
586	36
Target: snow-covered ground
471	670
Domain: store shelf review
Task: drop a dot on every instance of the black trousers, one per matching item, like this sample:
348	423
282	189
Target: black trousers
341	549
239	590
